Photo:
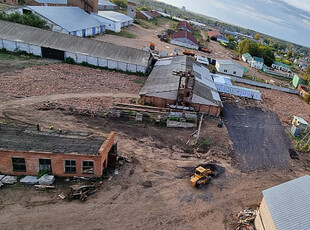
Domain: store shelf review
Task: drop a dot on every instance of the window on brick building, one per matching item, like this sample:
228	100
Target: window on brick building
70	166
19	164
88	167
45	164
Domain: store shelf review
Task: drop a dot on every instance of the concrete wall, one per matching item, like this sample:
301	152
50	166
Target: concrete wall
57	161
229	69
16	46
131	9
263	220
184	42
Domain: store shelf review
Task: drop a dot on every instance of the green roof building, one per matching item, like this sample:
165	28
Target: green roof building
297	81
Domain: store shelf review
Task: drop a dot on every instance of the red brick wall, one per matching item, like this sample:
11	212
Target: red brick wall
140	15
10	2
57	161
161	102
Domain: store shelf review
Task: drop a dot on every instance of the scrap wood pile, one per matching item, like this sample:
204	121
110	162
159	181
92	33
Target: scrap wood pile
79	192
246	219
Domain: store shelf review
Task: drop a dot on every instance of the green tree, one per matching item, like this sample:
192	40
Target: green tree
120	3
257	37
308	69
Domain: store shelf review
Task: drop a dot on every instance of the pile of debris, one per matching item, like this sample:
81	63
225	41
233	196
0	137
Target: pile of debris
80	192
246	219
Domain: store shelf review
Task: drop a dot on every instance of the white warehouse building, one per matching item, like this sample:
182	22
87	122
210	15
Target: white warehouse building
49	44
229	67
113	20
68	20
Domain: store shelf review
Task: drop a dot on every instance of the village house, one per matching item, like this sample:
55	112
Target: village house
216	36
280	66
257	62
106	5
112	20
64	154
163	88
148	15
229	67
185	39
247	57
67	20
49	44
285	206
185	26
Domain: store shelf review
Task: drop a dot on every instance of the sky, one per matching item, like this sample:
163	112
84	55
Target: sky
285	19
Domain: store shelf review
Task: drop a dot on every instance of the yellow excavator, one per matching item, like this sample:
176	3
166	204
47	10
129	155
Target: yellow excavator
201	177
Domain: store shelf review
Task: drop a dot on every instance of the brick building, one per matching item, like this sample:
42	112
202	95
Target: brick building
87	5
26	151
163	88
9	2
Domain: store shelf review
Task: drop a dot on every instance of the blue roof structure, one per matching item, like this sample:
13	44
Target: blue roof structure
289	204
105	3
114	16
69	18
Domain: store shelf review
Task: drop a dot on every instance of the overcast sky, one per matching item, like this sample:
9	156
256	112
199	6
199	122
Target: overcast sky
285	19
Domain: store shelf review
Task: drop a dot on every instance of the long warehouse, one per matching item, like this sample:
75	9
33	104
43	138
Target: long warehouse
49	44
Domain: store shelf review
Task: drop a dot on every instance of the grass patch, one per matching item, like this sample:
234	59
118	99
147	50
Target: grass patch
19	55
158	22
254	79
124	34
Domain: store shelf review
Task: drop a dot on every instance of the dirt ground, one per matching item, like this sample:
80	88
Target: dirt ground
152	190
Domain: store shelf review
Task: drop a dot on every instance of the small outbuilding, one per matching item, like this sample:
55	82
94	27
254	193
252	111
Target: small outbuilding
285	206
247	57
113	20
185	39
106	5
281	66
68	20
257	62
229	67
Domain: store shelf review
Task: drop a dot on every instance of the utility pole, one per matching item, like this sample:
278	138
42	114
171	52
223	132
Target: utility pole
200	123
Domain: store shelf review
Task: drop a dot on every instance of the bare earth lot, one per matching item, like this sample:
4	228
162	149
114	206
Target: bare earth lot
152	190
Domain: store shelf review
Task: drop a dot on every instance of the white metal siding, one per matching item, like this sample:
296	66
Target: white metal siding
103	62
92	60
70	55
35	50
112	64
1	43
22	47
80	58
132	68
230	69
122	66
9	45
141	69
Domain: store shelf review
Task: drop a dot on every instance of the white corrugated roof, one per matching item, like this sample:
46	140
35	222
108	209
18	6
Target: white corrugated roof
114	16
105	3
289	204
229	62
63	2
69	18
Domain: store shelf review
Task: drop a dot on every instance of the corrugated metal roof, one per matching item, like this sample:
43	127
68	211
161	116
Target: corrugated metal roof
49	39
105	3
185	34
69	18
62	2
258	59
162	79
247	56
229	62
289	204
114	16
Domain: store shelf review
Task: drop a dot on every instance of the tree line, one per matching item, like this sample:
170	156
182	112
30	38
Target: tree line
258	50
25	19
